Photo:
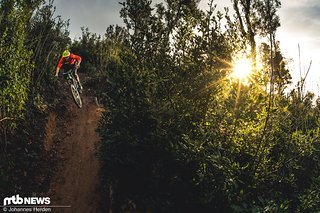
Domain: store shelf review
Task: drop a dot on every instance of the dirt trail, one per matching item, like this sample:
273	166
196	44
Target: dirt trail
77	181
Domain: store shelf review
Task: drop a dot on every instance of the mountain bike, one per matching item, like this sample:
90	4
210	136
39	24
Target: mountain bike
74	87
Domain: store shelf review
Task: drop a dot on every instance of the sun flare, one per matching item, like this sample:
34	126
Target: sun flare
242	68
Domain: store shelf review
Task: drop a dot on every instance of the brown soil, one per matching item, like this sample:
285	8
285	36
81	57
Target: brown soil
71	133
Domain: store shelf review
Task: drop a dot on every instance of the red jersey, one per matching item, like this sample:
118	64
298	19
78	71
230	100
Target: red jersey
71	60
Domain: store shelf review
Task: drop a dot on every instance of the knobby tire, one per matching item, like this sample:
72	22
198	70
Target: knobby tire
76	95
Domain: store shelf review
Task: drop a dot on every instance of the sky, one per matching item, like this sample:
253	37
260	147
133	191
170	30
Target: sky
300	24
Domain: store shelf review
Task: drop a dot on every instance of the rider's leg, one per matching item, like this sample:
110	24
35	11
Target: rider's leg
64	69
77	78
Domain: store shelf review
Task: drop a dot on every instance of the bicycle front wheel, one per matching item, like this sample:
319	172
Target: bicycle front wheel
76	95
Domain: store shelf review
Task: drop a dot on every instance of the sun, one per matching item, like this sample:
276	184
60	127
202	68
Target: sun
242	68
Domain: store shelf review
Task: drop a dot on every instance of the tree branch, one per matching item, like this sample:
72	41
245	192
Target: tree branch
6	118
236	8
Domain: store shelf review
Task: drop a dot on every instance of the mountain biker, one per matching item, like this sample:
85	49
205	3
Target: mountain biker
67	62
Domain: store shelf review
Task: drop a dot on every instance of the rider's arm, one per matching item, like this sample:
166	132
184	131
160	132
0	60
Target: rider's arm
59	66
57	71
78	58
79	61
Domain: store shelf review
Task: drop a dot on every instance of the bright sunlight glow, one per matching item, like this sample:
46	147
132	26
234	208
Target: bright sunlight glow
242	68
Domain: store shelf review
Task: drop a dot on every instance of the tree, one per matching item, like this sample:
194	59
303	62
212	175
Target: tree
180	134
160	88
47	37
15	66
30	41
256	17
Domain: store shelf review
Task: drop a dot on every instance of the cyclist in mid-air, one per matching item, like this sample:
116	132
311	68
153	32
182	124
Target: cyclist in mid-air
67	62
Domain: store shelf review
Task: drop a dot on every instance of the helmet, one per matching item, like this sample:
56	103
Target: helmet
66	53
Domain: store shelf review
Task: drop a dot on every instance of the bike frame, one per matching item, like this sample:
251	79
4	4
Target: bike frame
73	87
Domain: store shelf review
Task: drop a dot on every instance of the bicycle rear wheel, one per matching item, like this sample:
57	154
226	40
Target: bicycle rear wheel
76	95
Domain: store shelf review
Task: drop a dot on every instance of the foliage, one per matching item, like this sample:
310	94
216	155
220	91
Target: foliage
98	52
161	88
47	37
16	64
25	165
88	48
30	40
179	134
